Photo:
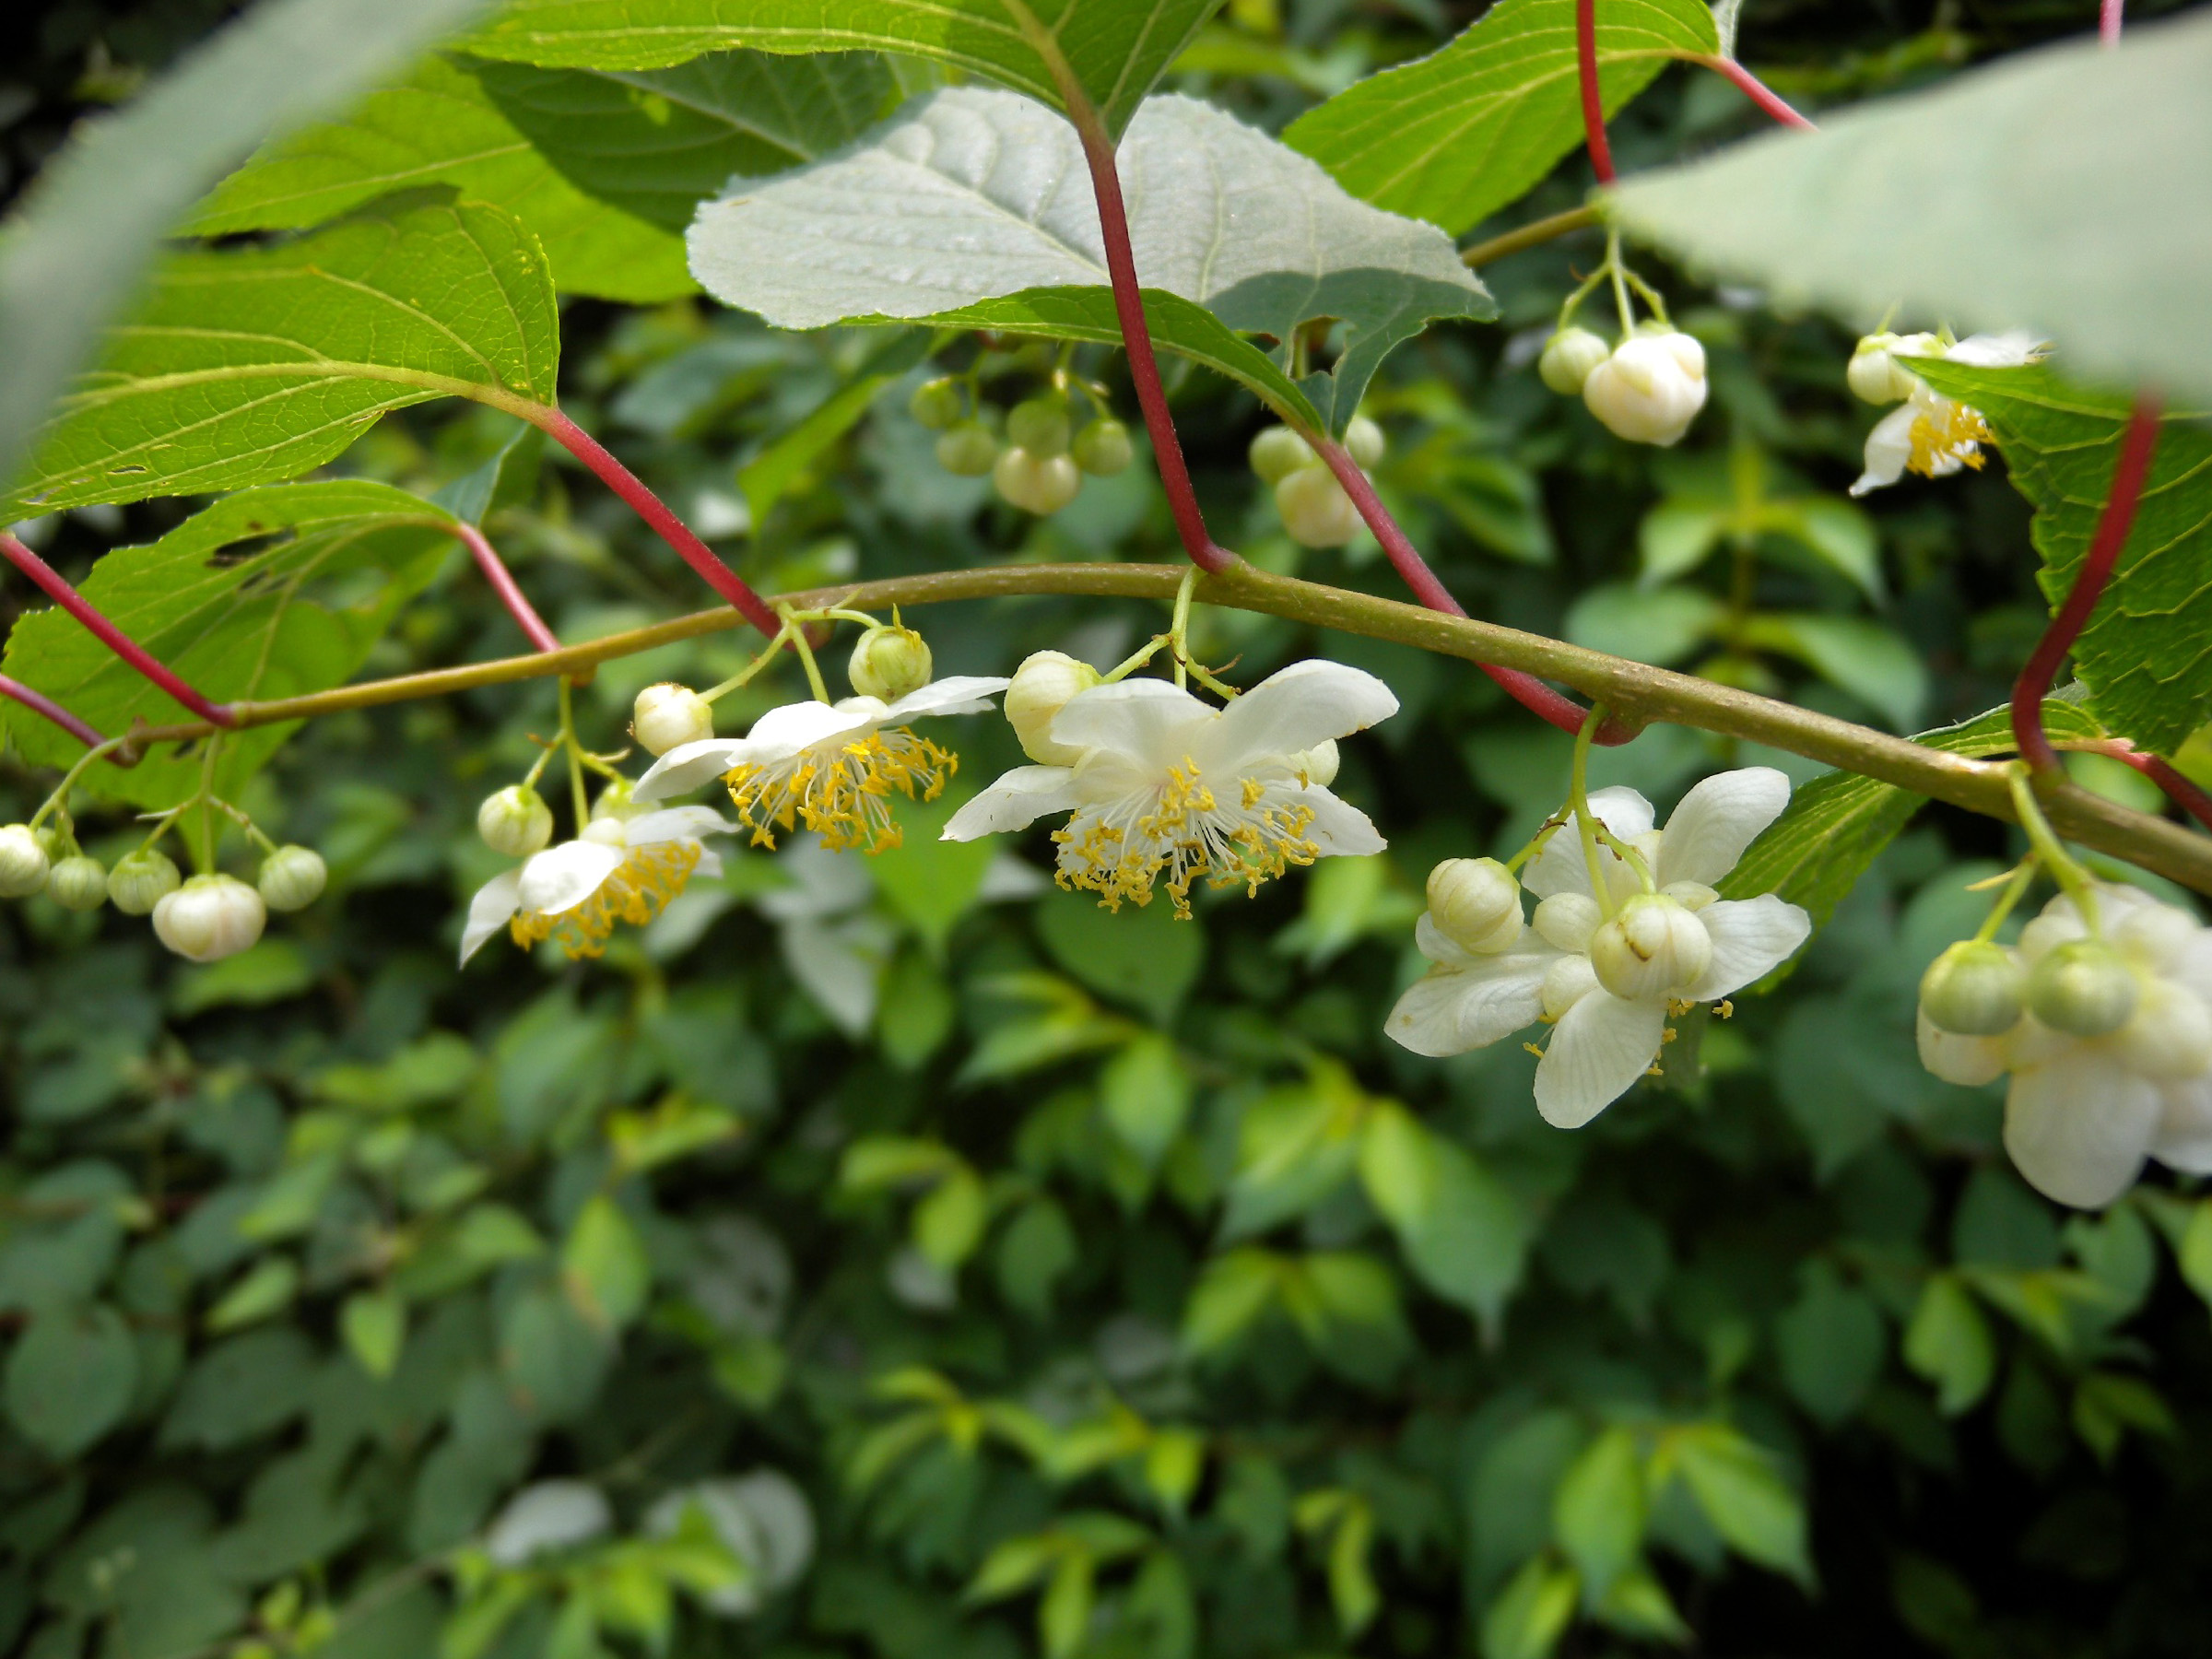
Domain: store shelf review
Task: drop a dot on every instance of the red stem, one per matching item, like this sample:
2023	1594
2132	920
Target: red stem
655	511
504	583
2136	446
1759	92
38	702
2107	21
2179	789
1594	103
107	633
1136	340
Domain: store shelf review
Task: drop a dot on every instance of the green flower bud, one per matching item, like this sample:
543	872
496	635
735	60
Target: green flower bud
1363	440
968	450
292	878
1315	510
515	821
141	880
614	802
1569	357
1044	685
889	663
668	715
1476	903
2084	988
23	862
1653	947
1039	484
1278	453
1103	448
210	917
936	403
1973	989
1039	426
78	883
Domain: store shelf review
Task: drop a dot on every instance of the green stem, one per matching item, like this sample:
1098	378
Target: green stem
767	655
1578	797
814	669
203	855
1179	631
1134	660
2015	888
577	798
58	800
1621	288
2065	869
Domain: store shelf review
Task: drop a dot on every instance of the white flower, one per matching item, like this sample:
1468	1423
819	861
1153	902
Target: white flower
1929	433
829	766
210	917
619	869
2082	1113
1650	389
1168	788
1608	985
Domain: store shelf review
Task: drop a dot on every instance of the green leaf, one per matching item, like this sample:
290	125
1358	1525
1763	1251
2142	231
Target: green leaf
1598	1511
374	1324
267	972
2195	1251
267	1288
242	367
70	1378
1865	658
604	1266
949	1223
1948	1342
1145	957
767	476
1295	1148
1944	202
1470	129
1832	1343
604	168
242	600
1531	1613
1746	1501
74	257
1230	1297
1647	626
954	201
1680	535
930	882
1462	1232
2146	653
1145	1092
1116	49
1037	1247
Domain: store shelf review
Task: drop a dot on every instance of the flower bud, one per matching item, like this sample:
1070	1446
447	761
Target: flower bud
292	878
1566	921
1315	509
23	862
1476	903
617	801
1278	453
210	917
1652	947
1363	440
1875	376
1566	982
2083	988
967	450
78	883
1103	448
667	715
936	403
889	663
515	821
1039	484
141	880
1318	765
1650	389
1569	356
1039	426
1973	989
1044	685
2170	1039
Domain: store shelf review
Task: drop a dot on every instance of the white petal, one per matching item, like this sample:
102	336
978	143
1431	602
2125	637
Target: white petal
1305	704
1559	867
1451	1010
955	694
709	865
1150	721
1597	1050
2079	1127
1018	800
488	911
1340	830
562	877
675	823
1751	937
1432	942
1967	1061
1707	833
2007	350
687	766
2183	1141
1888	447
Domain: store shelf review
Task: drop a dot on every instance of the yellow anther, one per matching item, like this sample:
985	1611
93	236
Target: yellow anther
843	794
640	888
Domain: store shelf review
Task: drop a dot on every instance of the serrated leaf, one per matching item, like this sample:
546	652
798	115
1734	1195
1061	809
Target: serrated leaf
973	194
605	168
235	600
1117	50
1460	134
2146	653
247	366
1944	203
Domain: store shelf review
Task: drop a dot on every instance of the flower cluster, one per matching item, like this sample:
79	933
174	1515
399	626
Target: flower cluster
1647	389
1041	465
1316	511
1928	433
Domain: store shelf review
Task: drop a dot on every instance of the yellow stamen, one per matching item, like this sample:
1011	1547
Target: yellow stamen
638	890
1182	832
1948	435
841	791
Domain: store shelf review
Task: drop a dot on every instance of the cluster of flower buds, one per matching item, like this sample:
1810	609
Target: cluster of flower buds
1647	389
1040	463
1315	509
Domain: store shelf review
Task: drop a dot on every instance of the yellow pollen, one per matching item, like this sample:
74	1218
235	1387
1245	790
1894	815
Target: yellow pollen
841	791
1181	832
637	891
1533	1049
1725	1010
1953	433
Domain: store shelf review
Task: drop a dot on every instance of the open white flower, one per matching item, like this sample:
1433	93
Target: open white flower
831	767
1607	983
2082	1113
1929	433
1170	789
620	869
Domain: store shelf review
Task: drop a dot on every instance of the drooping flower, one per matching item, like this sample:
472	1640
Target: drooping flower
2131	1080
1606	976
1651	388
1169	790
831	767
1929	433
622	869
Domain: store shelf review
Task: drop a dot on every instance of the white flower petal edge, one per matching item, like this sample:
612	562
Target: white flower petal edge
1597	1050
1751	937
563	876
777	736
1307	703
495	902
1015	802
1560	868
955	694
1716	820
2080	1127
1140	719
1471	1004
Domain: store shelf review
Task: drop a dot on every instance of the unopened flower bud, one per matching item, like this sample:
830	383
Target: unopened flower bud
1039	426
1363	440
292	878
1315	509
23	862
1103	449
210	917
78	883
889	663
1476	903
1973	989
1039	484
2083	988
1568	357
668	715
1317	766
967	450
1278	453
1875	374
1566	921
1651	947
1650	389
617	801
1044	684
141	880
936	403
515	821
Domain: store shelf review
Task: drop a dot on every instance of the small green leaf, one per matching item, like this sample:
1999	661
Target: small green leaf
1035	1250
1144	958
70	1378
1948	1342
1230	1297
1678	535
605	1267
1531	1613
1832	1343
1463	1230
1145	1092
267	1288
1297	1145
949	1223
1746	1501
374	1324
2195	1250
1598	1511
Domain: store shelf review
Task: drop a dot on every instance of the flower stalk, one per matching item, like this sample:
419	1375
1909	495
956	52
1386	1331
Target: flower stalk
502	582
49	581
39	703
1594	105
